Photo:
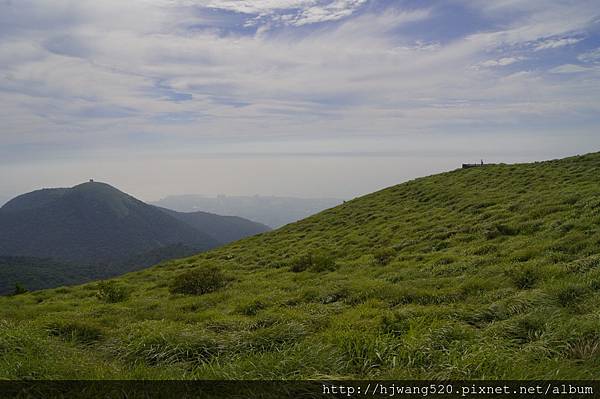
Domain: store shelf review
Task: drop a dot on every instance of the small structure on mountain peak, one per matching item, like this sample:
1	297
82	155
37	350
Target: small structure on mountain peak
474	165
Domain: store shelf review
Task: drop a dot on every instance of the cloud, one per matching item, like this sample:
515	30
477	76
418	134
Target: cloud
68	45
590	56
285	12
331	11
111	68
537	23
569	68
556	43
252	6
504	61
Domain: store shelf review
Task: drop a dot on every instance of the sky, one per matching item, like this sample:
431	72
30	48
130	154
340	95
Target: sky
308	98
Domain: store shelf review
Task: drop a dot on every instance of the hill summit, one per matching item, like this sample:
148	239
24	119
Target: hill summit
482	273
91	222
96	224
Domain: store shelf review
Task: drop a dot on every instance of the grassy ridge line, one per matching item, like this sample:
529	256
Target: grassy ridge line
489	272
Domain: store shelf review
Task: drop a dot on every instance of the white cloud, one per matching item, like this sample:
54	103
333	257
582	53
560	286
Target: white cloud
556	43
251	6
331	11
538	22
354	78
569	68
590	56
286	12
500	62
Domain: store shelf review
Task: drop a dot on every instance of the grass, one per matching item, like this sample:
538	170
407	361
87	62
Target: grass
485	273
111	292
199	281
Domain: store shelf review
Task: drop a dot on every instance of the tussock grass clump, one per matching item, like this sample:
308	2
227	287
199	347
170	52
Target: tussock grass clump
317	262
77	331
584	348
336	295
524	277
199	281
364	353
111	292
498	230
18	338
272	337
515	305
486	249
568	294
251	308
383	256
162	343
524	328
397	323
584	265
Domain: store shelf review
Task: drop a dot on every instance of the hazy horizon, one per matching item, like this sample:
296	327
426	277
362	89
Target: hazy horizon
153	188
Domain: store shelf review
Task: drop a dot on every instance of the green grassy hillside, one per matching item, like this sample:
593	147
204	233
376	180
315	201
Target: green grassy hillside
489	272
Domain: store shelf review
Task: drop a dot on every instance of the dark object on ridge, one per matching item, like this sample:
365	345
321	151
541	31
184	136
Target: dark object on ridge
475	165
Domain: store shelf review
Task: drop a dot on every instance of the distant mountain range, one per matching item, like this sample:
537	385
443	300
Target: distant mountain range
272	211
100	231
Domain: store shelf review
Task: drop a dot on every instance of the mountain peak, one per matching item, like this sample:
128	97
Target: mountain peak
95	223
88	195
99	189
95	186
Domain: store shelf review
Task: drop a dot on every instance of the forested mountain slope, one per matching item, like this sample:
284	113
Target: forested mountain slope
53	237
